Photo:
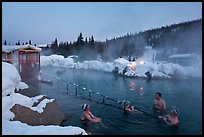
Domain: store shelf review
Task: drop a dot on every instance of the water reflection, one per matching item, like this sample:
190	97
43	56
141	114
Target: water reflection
132	85
133	90
141	91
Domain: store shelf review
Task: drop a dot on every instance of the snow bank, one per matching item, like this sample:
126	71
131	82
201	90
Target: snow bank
95	65
54	60
11	81
18	128
60	61
136	68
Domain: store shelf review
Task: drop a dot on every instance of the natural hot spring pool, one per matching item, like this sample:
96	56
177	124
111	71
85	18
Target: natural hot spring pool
184	94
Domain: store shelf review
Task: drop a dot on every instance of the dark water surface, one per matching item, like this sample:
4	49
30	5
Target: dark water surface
184	94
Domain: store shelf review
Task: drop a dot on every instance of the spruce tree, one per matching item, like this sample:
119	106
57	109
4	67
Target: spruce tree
86	40
56	42
30	42
18	43
80	39
92	41
5	43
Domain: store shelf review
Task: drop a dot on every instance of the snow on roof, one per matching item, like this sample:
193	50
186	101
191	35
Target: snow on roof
42	46
30	47
181	56
8	48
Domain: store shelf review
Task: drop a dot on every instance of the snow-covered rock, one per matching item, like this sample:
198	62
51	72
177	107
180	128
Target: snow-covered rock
11	79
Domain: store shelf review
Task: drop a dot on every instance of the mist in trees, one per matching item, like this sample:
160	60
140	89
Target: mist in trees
185	37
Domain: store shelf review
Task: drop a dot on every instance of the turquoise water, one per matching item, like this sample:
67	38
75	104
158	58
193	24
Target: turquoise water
184	94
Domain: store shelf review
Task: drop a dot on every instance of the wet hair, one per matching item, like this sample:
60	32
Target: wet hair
84	106
175	110
159	94
126	102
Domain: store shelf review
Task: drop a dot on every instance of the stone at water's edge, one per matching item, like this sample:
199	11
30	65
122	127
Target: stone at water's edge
51	115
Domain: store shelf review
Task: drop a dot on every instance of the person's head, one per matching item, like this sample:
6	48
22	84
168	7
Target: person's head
85	107
158	95
126	103
174	111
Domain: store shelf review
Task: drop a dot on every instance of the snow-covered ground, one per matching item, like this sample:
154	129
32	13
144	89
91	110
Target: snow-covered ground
135	68
11	80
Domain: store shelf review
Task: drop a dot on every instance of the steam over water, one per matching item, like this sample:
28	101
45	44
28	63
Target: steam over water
185	94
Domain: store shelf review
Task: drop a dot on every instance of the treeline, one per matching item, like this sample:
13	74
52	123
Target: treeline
19	43
86	48
185	37
176	38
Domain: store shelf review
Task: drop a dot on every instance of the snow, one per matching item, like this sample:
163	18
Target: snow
121	63
18	128
21	85
73	56
11	80
95	65
54	60
10	48
39	108
142	65
42	46
181	56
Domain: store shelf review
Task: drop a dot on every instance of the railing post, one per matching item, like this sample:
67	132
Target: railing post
67	88
76	90
58	84
89	95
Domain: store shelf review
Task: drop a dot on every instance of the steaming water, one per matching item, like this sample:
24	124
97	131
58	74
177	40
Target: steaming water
184	94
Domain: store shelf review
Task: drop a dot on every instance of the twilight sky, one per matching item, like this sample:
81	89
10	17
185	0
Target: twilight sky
42	22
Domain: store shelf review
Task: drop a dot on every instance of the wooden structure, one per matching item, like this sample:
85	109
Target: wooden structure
9	55
29	61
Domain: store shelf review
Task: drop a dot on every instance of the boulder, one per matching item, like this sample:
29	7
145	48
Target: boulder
51	114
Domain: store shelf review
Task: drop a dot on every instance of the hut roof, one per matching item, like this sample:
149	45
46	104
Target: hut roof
29	48
8	49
